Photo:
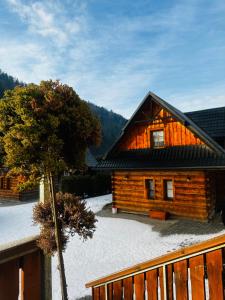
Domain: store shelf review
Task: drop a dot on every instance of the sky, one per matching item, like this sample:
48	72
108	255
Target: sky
114	52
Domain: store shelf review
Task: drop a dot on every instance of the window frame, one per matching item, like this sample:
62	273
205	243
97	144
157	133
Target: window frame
165	190
147	190
152	138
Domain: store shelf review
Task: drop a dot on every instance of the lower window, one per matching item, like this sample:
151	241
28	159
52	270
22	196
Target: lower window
150	188
168	189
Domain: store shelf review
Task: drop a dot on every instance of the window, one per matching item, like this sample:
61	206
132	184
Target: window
157	138
8	183
168	189
1	183
150	188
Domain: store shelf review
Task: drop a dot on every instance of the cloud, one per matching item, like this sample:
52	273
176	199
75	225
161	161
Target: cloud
47	19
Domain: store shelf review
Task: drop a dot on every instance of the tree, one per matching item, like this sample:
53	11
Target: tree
45	130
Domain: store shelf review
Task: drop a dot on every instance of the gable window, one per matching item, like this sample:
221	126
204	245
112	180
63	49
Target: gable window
150	188
168	189
157	138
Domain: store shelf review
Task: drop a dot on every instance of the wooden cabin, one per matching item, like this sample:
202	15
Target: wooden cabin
9	191
169	162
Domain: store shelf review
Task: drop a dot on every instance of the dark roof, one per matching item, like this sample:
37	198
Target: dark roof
182	117
211	121
177	157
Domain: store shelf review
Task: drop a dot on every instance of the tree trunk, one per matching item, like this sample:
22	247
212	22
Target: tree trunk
58	239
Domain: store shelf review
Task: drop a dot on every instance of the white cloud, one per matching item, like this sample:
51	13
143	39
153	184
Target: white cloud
47	19
28	62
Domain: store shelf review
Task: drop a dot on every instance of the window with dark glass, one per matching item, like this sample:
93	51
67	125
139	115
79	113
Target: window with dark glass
150	188
157	138
168	189
8	183
1	183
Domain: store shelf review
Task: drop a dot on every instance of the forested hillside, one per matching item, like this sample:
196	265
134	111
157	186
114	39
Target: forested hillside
7	82
111	122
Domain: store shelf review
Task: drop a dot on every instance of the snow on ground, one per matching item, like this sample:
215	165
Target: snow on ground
117	243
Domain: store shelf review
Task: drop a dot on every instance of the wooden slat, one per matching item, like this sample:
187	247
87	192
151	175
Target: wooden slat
180	273
139	286
31	277
128	288
161	284
9	280
214	270
152	284
117	290
96	293
110	291
169	282
197	277
102	292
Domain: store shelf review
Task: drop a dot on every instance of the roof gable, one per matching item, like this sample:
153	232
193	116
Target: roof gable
181	117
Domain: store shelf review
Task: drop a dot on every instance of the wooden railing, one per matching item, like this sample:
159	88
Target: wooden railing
25	273
195	272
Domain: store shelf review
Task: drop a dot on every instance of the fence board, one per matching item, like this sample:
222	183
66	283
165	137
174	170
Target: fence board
9	280
152	284
180	272
102	292
128	288
110	291
214	270
197	277
31	277
139	286
161	283
96	293
117	290
169	281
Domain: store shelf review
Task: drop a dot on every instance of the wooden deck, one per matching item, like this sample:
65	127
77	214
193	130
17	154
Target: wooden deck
194	272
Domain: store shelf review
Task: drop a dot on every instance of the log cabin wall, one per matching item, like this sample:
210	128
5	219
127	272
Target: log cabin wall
139	135
194	193
8	190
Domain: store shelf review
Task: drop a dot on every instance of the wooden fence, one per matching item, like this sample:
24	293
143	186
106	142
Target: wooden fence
25	273
195	272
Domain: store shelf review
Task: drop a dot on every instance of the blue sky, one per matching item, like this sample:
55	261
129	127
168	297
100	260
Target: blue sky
114	52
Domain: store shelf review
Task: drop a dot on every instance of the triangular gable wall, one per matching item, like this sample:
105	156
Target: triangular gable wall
184	131
138	136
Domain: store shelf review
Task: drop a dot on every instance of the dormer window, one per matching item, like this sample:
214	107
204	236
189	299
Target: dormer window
157	139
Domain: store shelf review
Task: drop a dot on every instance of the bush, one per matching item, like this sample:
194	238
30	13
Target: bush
87	185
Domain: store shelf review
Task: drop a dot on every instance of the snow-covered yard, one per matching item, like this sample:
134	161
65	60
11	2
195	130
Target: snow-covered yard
117	243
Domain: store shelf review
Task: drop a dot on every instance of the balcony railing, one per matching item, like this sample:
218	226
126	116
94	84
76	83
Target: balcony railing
195	272
25	273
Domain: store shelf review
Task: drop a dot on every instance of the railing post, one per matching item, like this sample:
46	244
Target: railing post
46	277
164	283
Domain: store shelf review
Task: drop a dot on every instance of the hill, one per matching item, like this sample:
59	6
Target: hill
111	122
7	82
